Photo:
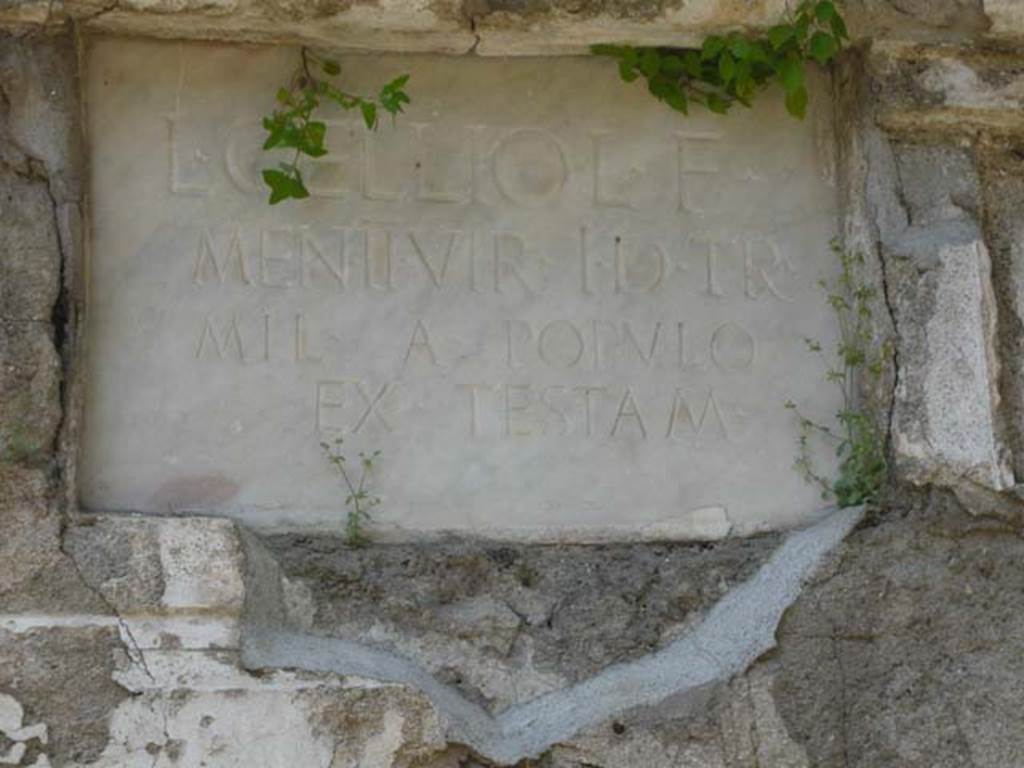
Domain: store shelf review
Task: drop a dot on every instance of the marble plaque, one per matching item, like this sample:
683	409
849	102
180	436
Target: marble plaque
558	308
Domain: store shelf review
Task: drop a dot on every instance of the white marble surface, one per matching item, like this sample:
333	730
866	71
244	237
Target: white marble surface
561	310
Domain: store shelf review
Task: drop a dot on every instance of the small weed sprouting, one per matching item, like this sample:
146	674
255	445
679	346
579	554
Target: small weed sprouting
292	126
857	371
359	502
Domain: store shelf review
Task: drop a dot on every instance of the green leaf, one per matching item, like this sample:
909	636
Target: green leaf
392	97
284	96
316	131
331	67
726	68
713	46
627	72
740	48
839	28
717	104
650	62
691	63
758	53
779	35
275	128
801	28
796	102
604	49
284	185
660	87
672	65
369	110
823	47
825	11
314	139
791	74
677	100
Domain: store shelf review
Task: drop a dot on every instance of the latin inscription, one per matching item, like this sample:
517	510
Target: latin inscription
550	305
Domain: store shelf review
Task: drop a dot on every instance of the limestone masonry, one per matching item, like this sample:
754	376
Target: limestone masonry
569	318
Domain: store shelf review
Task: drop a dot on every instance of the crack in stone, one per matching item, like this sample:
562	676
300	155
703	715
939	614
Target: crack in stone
843	726
891	310
128	638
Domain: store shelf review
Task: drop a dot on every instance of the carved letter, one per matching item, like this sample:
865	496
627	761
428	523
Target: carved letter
585	263
751	271
370	190
732	347
530	167
695	160
587	392
685	363
574	337
436	276
601	196
427	187
371	406
627	333
325	405
420	341
621	280
508	263
309	247
681	410
564	428
220	345
378	251
474	421
521	407
178	186
510	357
628	409
205	253
301	343
267	258
711	269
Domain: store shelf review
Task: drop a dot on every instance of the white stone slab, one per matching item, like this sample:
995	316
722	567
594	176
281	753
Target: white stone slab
561	310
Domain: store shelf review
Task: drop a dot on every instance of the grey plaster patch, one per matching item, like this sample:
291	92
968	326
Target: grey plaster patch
738	629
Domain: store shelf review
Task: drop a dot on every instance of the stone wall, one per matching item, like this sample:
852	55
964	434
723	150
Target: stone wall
136	640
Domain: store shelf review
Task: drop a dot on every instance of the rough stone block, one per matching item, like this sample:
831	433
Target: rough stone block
174	582
30	526
909	649
1007	17
30	405
38	79
29	251
1003	175
36	578
62	679
945	424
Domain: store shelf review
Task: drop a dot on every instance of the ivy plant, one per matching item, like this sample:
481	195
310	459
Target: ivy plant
293	124
730	69
358	501
856	370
